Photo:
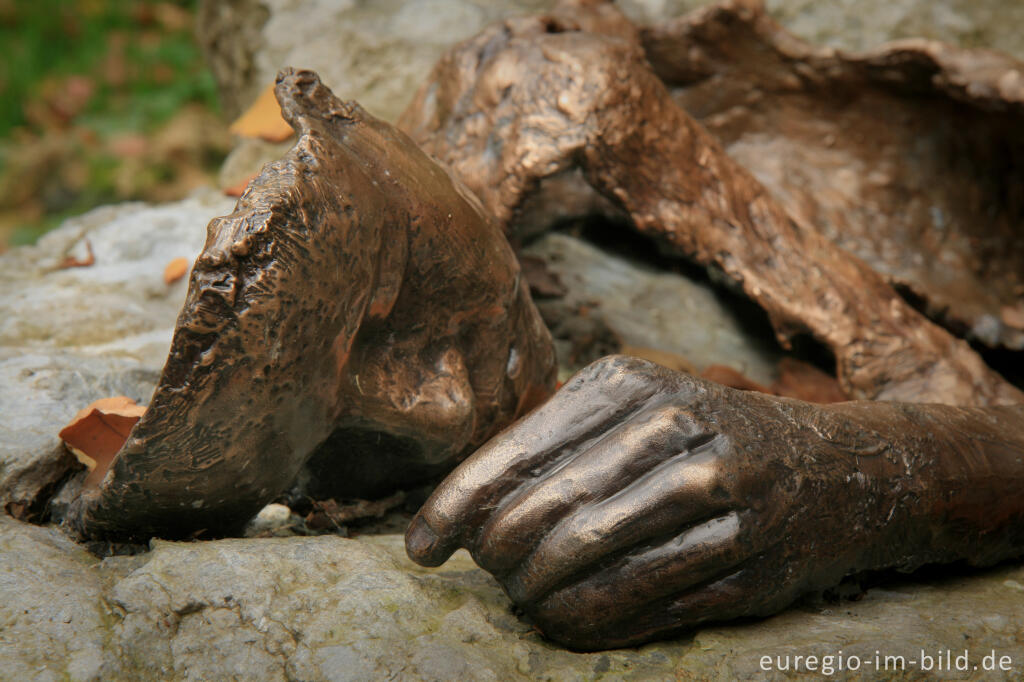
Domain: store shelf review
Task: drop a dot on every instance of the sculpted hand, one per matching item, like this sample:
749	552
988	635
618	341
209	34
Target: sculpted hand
639	501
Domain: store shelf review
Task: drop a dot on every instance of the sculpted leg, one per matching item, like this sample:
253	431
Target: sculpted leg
638	502
356	290
542	99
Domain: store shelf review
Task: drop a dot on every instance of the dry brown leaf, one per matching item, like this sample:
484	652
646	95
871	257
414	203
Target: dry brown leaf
727	376
797	379
662	357
238	189
1013	317
175	270
18	510
542	281
75	262
328	514
97	433
263	120
806	382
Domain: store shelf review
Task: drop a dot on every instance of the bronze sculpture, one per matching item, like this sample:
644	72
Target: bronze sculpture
652	495
572	97
638	502
939	174
357	293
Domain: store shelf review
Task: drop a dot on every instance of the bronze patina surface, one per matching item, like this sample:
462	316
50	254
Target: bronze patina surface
361	314
571	97
924	138
639	502
358	295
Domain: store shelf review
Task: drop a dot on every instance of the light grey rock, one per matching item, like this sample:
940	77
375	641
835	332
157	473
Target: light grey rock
53	620
329	608
273	519
376	52
379	52
657	309
118	304
71	336
862	24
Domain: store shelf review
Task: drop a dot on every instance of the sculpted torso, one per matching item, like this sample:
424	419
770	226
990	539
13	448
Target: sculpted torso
360	291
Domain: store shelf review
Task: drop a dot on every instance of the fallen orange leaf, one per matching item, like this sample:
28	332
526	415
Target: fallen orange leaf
804	381
263	120
239	188
74	262
18	510
175	270
97	433
661	357
1013	317
727	376
797	379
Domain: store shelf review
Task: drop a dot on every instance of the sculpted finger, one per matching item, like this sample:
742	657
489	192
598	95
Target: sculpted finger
600	395
702	553
653	435
733	595
686	489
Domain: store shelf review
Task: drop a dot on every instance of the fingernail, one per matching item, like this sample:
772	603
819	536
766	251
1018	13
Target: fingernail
420	542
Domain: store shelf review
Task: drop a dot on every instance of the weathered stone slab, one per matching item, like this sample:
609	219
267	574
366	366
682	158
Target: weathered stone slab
53	621
379	52
329	608
70	336
862	24
661	310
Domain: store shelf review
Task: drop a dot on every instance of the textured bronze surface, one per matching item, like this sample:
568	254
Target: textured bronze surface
357	295
921	137
639	501
533	106
360	314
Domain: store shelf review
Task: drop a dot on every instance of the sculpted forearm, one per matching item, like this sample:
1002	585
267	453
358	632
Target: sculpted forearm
639	501
956	476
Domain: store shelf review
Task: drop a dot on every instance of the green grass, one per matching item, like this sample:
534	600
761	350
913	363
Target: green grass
47	39
30	233
140	65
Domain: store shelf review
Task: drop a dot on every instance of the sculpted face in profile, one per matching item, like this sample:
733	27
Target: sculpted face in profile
361	293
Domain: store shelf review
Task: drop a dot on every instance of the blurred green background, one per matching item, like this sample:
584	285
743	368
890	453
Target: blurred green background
100	101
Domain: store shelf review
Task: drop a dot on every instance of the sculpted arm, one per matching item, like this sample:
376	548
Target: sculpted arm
638	501
572	94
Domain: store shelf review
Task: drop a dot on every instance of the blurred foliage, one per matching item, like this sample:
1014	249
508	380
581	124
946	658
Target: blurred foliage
100	101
